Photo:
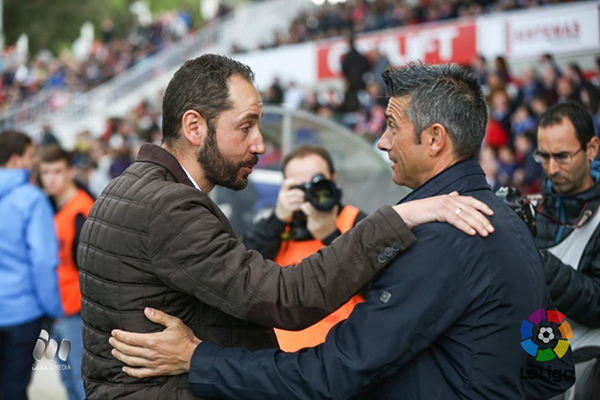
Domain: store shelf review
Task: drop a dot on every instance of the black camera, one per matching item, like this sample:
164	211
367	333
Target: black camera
321	192
522	206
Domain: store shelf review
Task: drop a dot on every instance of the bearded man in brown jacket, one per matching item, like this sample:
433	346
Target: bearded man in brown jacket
154	239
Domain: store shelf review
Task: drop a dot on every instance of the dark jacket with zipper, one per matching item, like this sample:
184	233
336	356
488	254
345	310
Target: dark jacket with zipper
153	240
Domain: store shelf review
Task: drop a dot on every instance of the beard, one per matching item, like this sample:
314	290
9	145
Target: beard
218	169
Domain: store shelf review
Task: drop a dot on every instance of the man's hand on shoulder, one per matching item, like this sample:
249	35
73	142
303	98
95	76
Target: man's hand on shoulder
464	212
153	354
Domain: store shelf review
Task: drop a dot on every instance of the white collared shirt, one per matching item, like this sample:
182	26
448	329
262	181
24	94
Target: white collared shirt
191	179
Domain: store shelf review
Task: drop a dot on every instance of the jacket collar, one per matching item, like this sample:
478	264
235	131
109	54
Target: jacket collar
157	155
464	176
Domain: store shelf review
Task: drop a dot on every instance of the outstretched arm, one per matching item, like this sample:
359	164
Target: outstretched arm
378	339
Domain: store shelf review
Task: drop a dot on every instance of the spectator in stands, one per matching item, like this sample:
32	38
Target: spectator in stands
28	261
539	104
501	68
295	230
530	86
522	120
479	69
568	231
500	110
566	91
379	63
489	164
275	93
507	165
547	62
354	67
293	96
596	80
589	95
72	206
527	177
48	137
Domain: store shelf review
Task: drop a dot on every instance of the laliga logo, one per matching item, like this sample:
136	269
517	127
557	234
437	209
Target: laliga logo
49	347
552	322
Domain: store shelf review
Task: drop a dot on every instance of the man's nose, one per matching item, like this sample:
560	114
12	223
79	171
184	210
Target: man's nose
258	147
553	166
383	143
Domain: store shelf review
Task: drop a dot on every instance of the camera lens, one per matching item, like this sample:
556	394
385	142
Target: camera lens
323	194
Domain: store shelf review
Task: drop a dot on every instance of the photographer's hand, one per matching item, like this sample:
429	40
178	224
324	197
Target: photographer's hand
320	224
464	212
288	200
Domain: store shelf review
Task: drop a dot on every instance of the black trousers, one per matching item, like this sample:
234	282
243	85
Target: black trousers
16	358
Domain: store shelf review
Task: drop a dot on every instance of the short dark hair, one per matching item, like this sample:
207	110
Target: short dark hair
307	150
12	142
200	84
580	118
447	94
54	153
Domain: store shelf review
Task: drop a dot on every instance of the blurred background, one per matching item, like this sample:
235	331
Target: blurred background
90	74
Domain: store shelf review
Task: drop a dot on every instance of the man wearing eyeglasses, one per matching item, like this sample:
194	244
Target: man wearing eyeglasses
568	226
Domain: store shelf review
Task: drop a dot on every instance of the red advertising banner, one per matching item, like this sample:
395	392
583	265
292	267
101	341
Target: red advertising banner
435	43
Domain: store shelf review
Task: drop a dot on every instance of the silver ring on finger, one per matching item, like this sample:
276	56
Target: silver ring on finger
458	210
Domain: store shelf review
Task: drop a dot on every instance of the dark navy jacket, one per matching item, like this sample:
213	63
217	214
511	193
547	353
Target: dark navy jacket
441	322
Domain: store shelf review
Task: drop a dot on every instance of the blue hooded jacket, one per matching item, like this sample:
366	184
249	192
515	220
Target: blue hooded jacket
28	251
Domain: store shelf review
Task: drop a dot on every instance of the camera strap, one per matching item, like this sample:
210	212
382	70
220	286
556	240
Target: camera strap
587	213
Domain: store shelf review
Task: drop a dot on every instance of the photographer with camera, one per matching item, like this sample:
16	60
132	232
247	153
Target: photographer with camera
568	232
308	215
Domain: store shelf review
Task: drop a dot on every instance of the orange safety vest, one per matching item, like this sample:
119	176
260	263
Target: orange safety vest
68	274
291	253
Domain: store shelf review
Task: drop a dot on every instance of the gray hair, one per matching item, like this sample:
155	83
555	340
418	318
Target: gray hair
446	94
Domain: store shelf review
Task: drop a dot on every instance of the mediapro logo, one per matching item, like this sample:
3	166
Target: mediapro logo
49	347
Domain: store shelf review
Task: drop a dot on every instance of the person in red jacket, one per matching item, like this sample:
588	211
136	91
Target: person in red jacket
72	206
277	238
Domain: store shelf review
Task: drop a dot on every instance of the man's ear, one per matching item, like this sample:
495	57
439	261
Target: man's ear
435	138
592	148
194	127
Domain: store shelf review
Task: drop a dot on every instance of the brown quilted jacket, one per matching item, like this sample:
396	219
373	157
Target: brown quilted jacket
153	240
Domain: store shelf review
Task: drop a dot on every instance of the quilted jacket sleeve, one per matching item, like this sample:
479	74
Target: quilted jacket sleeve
575	293
192	252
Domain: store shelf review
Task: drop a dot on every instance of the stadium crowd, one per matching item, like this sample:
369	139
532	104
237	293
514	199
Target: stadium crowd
515	102
68	74
339	19
89	64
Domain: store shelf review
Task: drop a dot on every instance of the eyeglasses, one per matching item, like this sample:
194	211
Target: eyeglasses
562	158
